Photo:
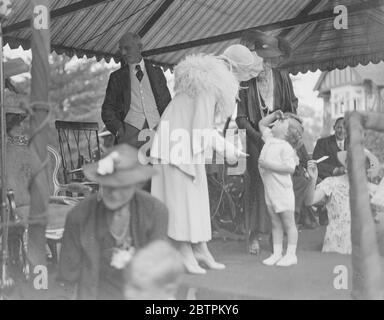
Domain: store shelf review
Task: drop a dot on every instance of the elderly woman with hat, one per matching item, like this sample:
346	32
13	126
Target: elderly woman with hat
271	90
334	191
206	88
103	231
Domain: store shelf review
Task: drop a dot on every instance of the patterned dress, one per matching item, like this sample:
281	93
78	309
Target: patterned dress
338	234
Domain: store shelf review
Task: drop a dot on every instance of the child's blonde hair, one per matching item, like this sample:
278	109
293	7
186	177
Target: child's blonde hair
295	130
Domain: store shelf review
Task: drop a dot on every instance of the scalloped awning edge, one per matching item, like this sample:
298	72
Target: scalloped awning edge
332	64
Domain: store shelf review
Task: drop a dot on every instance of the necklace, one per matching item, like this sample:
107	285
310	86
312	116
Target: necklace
266	87
264	110
119	228
17	140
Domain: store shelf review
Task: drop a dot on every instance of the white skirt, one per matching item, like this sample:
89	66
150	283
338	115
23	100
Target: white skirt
187	201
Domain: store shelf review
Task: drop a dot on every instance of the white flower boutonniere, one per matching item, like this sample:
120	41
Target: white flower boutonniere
106	165
121	258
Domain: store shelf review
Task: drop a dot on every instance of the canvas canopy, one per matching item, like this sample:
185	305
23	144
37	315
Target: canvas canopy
172	28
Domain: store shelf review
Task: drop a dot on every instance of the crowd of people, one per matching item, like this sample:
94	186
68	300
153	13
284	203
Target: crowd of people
148	223
168	200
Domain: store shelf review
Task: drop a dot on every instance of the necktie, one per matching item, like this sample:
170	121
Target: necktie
139	73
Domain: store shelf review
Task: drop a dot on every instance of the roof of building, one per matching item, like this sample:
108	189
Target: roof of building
173	28
355	76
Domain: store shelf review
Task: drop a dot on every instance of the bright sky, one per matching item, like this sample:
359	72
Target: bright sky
303	83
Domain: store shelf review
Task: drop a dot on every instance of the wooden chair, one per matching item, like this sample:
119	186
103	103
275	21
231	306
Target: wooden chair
59	206
79	144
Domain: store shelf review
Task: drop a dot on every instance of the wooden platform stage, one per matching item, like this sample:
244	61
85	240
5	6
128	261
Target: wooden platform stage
247	278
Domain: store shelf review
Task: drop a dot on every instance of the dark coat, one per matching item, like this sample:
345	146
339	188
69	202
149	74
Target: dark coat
117	100
327	147
87	222
284	98
248	117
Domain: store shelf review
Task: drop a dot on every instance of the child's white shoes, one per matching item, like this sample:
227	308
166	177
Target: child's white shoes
287	260
272	260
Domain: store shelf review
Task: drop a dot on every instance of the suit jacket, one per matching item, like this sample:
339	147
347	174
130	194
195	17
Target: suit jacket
117	100
327	147
87	222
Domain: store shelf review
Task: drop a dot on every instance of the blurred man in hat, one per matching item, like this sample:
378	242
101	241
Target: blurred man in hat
103	231
136	96
271	90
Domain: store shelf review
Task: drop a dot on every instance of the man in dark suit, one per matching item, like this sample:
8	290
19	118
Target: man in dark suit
329	146
136	96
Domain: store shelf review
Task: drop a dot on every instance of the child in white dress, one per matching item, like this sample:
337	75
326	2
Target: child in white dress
277	163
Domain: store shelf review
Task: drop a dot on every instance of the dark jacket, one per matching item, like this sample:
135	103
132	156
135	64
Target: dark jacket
80	254
284	99
327	147
117	100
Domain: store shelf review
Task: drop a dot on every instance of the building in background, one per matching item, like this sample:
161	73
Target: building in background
360	88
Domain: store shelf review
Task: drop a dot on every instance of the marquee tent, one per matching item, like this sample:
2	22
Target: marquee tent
172	28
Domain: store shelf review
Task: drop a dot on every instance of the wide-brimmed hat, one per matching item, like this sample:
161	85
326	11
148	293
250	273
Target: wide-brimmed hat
119	168
268	46
243	60
374	164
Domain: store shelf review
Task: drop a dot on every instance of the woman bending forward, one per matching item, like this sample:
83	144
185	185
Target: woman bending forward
206	88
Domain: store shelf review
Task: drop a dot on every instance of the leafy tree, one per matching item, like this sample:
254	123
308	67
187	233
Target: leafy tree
77	90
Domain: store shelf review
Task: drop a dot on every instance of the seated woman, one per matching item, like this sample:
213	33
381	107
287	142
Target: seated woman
18	159
334	191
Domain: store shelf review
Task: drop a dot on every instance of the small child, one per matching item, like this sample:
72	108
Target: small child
154	273
277	163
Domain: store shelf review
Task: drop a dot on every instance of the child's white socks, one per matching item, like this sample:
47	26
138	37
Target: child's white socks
290	257
276	256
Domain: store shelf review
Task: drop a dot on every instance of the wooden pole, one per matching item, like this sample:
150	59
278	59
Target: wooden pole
366	260
39	186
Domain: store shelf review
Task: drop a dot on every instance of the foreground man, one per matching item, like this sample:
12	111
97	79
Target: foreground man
103	231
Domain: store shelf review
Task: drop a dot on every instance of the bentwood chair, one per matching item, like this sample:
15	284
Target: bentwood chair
79	145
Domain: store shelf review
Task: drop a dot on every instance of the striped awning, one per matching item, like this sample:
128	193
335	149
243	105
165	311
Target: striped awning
173	28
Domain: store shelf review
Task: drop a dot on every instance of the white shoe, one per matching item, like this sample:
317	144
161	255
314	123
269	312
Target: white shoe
205	258
287	260
209	263
194	269
273	259
189	259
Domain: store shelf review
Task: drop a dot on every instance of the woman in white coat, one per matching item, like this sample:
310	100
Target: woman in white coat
206	89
